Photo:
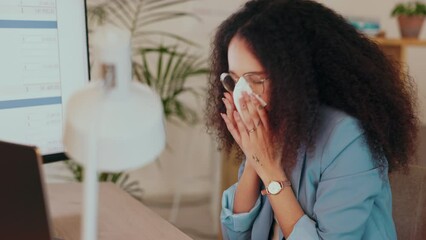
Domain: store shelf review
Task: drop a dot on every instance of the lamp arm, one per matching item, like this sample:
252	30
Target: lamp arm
91	185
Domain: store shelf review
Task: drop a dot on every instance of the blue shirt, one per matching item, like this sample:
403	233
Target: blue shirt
343	193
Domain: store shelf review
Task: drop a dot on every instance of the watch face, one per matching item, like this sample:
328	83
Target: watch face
274	187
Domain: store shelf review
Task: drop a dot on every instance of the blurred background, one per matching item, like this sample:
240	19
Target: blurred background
171	41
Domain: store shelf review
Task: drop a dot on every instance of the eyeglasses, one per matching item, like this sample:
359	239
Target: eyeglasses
255	80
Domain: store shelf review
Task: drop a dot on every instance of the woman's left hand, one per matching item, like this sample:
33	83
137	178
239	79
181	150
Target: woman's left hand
253	127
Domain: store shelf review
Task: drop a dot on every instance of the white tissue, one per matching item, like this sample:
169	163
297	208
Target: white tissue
241	86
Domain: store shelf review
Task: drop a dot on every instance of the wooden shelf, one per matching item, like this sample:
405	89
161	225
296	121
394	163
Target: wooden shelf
397	48
400	42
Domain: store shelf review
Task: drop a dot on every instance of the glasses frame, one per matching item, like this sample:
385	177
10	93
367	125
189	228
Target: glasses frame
246	76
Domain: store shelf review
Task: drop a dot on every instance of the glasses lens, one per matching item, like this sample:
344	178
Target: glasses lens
227	82
254	78
256	82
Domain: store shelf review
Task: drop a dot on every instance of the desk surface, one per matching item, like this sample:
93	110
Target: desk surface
120	216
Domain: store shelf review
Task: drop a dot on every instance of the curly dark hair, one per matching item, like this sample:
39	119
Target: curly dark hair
313	57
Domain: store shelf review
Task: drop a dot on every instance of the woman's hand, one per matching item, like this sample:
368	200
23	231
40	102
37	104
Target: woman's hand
251	131
229	118
228	100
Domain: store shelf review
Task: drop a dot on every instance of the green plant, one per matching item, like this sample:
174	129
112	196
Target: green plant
121	179
166	70
409	9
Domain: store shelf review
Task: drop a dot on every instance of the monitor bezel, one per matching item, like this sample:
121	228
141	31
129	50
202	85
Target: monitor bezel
61	156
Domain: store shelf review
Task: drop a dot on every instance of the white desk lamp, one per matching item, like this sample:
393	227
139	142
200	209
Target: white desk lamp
113	124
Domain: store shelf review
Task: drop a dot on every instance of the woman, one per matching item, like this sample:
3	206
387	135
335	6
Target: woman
339	117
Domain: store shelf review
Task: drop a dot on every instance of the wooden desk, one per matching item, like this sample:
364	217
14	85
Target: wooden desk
120	216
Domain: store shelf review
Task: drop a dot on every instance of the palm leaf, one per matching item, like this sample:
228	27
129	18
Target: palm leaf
172	69
117	176
145	70
154	5
166	79
140	34
180	62
163	16
125	7
135	15
137	71
120	178
120	16
160	79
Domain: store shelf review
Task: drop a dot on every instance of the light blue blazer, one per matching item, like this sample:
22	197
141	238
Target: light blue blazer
343	194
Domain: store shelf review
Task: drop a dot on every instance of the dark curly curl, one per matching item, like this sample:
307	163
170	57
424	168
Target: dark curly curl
313	57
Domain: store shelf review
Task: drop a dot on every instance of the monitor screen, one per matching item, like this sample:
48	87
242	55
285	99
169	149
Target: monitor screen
43	60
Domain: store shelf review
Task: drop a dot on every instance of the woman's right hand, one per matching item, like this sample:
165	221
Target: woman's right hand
229	118
231	124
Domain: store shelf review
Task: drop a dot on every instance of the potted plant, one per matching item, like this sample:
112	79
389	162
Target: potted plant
411	16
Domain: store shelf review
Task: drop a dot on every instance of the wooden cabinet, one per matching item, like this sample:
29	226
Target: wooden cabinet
397	48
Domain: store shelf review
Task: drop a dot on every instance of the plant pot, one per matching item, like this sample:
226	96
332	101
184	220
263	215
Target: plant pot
410	26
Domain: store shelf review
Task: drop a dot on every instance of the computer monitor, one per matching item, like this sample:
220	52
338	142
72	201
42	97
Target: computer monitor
43	60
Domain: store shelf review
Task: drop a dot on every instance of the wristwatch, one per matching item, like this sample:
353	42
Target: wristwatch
275	187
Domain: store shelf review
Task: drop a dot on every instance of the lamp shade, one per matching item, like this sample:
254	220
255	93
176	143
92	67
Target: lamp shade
121	120
128	130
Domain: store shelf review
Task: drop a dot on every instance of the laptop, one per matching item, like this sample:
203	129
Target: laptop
24	211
